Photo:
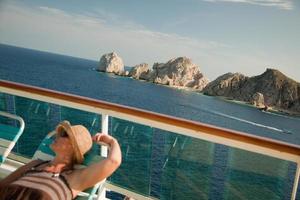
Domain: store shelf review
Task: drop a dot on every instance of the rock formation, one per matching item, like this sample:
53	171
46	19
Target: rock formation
140	71
278	90
178	72
258	100
111	63
228	85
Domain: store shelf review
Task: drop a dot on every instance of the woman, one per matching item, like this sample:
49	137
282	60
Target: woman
57	179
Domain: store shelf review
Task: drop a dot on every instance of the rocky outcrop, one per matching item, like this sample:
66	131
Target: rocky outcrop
140	71
258	100
278	90
228	85
178	72
111	63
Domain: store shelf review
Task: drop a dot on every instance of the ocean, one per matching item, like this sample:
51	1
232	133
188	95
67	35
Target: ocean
177	166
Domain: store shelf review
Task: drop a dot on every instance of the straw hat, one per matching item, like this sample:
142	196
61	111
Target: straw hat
80	137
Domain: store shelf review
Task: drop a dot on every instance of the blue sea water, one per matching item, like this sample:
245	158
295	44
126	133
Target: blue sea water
78	76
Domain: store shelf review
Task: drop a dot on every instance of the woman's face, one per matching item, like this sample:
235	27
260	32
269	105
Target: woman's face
62	143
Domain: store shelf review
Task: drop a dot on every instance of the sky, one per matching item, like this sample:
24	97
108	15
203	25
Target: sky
220	36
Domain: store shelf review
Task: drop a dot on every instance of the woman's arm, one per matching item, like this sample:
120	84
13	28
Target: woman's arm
95	173
18	173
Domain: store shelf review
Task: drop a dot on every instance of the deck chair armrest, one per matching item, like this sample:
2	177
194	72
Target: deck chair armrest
18	118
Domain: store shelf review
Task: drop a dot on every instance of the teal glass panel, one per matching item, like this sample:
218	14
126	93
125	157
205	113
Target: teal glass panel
136	145
187	168
38	122
41	118
7	104
256	176
3	105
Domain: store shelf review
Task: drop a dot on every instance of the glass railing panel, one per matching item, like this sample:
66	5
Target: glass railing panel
136	145
156	162
3	97
38	122
40	118
91	121
182	167
4	107
186	170
255	176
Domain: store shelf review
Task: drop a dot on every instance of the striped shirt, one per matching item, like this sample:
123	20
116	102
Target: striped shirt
55	185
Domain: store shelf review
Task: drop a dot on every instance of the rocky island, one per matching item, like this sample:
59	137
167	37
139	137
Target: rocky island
111	63
270	90
178	72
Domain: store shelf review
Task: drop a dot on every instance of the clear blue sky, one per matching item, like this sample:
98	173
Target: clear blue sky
220	36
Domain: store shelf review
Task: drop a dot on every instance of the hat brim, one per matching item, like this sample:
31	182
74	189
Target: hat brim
66	126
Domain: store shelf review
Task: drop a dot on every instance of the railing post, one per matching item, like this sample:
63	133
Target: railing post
296	181
105	131
105	117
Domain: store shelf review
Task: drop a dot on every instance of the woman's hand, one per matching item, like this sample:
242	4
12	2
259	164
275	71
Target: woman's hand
103	138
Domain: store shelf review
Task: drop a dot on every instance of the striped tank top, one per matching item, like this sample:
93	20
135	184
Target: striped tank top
53	184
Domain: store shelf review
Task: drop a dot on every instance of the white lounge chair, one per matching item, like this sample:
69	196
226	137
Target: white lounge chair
9	134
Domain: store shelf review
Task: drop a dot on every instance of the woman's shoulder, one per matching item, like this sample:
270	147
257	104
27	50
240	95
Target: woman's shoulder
36	162
33	164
